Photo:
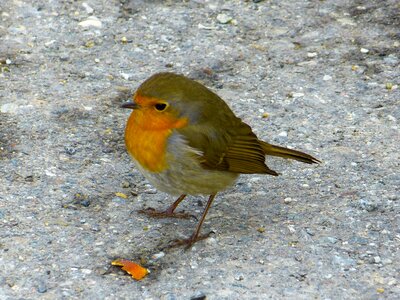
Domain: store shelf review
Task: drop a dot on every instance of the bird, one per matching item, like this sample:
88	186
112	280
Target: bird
186	140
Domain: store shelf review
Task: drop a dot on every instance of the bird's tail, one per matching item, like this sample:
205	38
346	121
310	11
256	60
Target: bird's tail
288	153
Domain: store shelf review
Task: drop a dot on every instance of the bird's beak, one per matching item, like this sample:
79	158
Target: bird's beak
131	105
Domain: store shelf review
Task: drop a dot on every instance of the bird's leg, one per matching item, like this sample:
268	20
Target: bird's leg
196	234
169	212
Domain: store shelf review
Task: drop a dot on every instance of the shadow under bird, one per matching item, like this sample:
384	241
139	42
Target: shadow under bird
187	141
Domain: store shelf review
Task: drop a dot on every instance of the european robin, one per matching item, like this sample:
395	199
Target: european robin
186	140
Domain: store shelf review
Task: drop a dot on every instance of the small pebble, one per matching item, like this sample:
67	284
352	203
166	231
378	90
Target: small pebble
265	115
312	54
261	229
291	228
377	259
125	184
363	50
90	44
283	134
193	264
64	57
346	21
297	95
127	76
391	118
223	18
150	191
92	21
49	43
70	150
158	255
211	241
239	277
288	200
389	85
327	77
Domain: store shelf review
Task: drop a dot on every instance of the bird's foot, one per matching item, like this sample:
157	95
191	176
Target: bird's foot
151	212
188	243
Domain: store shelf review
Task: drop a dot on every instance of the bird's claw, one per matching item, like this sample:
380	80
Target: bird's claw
188	243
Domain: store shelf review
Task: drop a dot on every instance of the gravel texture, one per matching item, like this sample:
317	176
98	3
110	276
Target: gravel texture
320	76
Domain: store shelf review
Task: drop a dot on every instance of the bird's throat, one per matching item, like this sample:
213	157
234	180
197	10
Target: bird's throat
147	146
146	137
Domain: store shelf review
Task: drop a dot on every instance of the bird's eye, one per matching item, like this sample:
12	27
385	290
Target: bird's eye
161	106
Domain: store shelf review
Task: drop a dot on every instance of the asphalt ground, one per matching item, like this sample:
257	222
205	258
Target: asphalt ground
318	76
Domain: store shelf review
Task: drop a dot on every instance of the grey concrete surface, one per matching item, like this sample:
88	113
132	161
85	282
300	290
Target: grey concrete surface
325	72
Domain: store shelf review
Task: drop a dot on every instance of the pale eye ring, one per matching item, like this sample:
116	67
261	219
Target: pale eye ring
161	106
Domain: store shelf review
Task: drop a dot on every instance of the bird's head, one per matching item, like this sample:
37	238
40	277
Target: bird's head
168	100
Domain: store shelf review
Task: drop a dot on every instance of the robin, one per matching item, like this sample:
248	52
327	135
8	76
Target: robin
187	141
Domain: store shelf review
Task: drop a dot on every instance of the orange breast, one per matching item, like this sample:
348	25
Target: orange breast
146	136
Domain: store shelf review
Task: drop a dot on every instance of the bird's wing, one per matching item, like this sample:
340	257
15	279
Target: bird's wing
233	147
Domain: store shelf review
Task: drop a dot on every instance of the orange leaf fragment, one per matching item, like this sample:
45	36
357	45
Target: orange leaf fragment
137	271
